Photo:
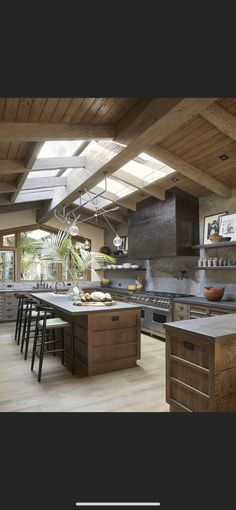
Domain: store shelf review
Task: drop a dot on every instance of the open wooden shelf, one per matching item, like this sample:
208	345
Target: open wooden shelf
215	268
213	245
121	269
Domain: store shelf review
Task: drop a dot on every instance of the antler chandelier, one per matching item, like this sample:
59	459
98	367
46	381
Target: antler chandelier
71	220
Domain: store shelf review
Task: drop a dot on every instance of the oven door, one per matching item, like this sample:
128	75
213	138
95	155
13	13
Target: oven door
153	320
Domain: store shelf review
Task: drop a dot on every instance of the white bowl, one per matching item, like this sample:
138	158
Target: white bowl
119	266
134	266
127	265
113	266
109	266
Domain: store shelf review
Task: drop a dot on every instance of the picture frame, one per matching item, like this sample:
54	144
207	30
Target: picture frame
124	245
228	226
212	225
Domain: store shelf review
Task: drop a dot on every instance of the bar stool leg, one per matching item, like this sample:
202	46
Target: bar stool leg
36	334
20	324
44	336
72	348
17	320
62	346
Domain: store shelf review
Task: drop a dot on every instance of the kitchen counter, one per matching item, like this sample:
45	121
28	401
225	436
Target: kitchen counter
195	300
65	304
105	338
201	364
212	328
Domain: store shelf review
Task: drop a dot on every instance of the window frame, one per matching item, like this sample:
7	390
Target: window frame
17	249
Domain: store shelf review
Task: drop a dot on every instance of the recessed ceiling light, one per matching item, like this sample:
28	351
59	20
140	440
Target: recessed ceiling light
174	179
224	157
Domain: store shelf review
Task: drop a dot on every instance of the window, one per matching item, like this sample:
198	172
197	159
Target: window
7	266
32	267
9	240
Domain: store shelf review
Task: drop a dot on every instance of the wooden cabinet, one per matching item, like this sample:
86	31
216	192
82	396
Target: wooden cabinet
1	306
200	373
184	311
104	341
181	311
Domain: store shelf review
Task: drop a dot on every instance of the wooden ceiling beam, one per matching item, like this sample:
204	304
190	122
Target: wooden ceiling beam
171	120
29	161
175	113
7	187
188	170
12	166
44	182
220	118
54	163
135	122
42	131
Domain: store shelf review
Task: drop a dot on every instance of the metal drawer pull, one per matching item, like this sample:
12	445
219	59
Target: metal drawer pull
115	318
189	345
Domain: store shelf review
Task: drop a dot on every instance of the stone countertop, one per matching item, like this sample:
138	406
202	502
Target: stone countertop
23	289
211	328
195	300
65	304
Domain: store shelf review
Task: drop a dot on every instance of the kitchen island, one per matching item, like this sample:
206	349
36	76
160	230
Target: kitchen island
105	338
201	364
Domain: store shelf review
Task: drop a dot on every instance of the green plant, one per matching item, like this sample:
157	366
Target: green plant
59	248
29	251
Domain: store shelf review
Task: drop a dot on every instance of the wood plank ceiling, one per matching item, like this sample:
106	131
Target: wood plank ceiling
188	132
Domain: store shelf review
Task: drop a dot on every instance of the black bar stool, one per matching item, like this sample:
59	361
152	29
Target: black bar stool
29	325
45	336
20	314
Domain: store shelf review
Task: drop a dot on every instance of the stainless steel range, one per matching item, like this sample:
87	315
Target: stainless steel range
157	308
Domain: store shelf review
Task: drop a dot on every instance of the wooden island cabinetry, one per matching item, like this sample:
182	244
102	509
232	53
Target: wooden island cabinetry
105	338
201	365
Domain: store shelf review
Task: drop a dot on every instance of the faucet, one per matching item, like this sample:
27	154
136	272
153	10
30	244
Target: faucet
59	281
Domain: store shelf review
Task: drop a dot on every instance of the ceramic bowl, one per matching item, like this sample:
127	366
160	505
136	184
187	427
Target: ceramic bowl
119	266
214	293
216	238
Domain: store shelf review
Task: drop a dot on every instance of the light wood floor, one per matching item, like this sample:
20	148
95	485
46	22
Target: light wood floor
138	389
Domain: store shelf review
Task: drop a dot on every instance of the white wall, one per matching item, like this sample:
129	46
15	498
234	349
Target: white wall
17	219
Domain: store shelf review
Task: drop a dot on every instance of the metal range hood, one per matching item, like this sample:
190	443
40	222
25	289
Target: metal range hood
164	228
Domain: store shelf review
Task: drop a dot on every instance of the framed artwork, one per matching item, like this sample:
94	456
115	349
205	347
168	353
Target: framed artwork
212	225
124	245
228	226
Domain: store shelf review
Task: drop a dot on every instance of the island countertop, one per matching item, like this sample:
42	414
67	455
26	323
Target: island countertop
65	304
211	328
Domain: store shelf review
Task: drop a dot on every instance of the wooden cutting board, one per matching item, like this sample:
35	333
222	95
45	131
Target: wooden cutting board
95	303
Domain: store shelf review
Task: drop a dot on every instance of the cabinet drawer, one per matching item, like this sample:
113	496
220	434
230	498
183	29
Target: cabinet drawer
189	349
114	320
104	338
197	312
114	352
190	375
188	398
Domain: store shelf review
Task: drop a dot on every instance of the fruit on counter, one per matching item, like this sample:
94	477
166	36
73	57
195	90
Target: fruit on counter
105	280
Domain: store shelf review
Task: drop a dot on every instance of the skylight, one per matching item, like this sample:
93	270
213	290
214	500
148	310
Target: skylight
117	187
59	148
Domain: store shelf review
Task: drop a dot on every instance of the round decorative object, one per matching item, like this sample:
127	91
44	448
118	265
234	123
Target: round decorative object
214	293
117	241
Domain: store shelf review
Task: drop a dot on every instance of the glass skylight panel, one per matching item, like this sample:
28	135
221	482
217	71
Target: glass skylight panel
117	187
99	201
55	149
